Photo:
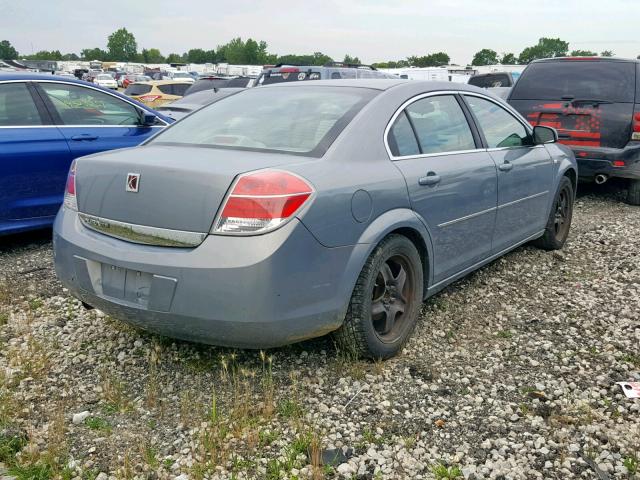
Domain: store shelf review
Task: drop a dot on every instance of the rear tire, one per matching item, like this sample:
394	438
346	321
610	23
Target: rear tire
633	194
385	302
559	222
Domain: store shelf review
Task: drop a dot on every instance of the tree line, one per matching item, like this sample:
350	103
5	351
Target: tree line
123	47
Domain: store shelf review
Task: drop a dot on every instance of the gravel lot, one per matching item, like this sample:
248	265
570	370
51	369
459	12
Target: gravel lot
510	374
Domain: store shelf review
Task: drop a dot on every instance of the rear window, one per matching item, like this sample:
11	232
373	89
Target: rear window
302	121
174	88
599	80
206	84
137	89
288	75
491	80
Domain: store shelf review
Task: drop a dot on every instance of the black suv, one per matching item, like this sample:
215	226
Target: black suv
594	103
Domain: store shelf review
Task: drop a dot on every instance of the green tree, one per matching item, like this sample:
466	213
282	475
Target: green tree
486	56
45	55
93	54
583	53
197	55
175	58
607	53
122	46
432	60
70	56
351	60
317	58
545	48
152	55
7	52
509	59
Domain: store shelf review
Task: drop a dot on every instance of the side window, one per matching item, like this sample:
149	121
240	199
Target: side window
401	139
17	107
78	105
500	128
440	125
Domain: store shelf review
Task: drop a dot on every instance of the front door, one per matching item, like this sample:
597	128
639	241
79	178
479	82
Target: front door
451	181
524	173
93	121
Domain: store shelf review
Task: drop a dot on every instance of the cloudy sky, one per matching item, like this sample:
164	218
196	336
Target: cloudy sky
374	30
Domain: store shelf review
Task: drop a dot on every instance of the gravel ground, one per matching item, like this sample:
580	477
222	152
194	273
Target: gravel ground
510	374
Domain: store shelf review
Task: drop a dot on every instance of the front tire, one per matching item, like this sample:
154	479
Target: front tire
559	222
386	301
633	193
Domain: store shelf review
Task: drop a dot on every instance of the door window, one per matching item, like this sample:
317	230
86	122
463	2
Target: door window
440	125
500	128
78	105
402	140
17	108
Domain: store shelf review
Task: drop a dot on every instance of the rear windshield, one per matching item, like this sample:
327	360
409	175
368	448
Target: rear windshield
174	88
137	89
288	75
491	80
207	84
302	121
609	81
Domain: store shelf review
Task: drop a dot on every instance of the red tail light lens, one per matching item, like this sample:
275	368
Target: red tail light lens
70	200
262	201
289	70
635	134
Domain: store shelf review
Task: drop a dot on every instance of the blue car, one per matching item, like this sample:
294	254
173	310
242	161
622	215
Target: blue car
46	122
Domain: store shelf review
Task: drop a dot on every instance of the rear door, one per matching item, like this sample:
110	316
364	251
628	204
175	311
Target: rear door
91	120
34	157
451	180
524	172
589	102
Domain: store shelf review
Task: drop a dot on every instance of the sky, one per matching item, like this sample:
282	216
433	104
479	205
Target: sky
373	30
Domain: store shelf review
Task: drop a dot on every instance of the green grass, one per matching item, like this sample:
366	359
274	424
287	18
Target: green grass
267	437
442	472
35	303
4	319
289	408
631	464
38	471
504	334
98	423
632	359
10	445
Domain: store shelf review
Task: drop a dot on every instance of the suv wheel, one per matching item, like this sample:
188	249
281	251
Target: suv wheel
559	222
633	194
385	302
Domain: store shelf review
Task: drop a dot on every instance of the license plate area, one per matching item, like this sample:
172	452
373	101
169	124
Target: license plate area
125	284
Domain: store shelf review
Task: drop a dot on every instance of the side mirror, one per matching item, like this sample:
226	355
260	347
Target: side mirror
147	119
542	135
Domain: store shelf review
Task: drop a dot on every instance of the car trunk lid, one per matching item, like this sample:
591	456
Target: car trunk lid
168	187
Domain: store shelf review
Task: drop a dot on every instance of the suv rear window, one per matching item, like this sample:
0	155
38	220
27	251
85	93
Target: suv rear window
587	80
302	121
137	89
174	88
491	80
207	84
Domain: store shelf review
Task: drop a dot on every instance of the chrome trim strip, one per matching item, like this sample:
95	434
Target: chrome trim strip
468	217
84	126
142	234
530	197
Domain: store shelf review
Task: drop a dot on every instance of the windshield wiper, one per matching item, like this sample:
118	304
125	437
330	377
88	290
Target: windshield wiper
593	101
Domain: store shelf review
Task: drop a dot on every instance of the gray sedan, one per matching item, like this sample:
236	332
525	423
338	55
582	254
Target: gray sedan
290	211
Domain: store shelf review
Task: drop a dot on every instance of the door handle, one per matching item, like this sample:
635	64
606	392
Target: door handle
430	180
505	167
84	136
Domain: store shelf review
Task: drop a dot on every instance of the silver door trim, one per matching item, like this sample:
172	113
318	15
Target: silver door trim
467	217
142	234
530	197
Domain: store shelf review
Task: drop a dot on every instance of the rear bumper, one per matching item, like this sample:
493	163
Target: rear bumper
595	161
250	292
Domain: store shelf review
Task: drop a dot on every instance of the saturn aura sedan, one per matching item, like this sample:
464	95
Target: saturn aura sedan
290	211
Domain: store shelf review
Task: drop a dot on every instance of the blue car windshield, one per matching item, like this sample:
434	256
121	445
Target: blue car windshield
298	120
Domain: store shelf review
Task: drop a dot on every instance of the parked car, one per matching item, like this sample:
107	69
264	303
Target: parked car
299	209
134	78
494	79
216	83
157	92
333	71
46	122
594	103
500	92
106	81
190	103
178	76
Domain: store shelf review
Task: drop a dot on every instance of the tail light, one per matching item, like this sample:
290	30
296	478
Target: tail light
262	201
289	70
635	135
70	200
149	98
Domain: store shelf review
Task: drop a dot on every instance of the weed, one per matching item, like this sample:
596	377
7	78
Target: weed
150	455
4	319
98	423
442	472
35	304
504	334
38	471
267	437
10	444
631	463
289	408
632	359
113	392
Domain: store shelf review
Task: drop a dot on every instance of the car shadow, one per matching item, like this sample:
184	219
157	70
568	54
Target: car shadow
30	239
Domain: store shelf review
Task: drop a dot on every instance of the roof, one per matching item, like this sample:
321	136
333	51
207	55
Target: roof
162	82
7	76
578	59
382	84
